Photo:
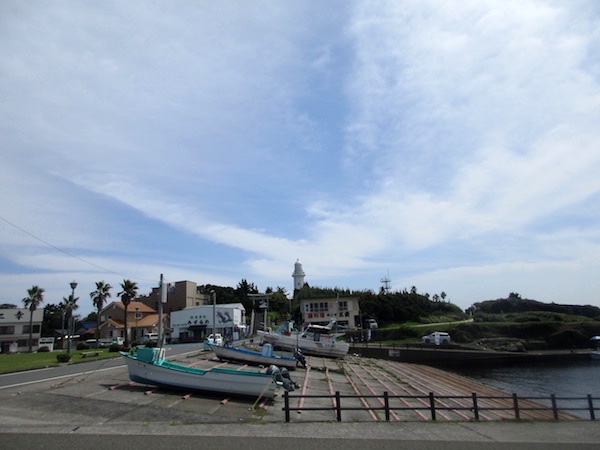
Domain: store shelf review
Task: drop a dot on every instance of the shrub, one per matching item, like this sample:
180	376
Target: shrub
43	349
63	357
117	348
82	346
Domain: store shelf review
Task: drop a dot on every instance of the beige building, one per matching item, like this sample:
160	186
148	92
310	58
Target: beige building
141	320
320	311
180	295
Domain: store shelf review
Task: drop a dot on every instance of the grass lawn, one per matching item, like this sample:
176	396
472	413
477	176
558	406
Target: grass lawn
16	362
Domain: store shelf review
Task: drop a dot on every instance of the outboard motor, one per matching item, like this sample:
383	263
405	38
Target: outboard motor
300	357
282	377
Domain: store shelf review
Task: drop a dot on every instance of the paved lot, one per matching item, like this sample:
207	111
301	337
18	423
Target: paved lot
97	402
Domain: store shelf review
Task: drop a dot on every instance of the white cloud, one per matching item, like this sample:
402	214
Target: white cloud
431	138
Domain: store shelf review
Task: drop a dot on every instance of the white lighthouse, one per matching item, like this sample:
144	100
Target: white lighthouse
298	275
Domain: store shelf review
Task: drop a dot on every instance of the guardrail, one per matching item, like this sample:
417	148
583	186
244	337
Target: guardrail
434	403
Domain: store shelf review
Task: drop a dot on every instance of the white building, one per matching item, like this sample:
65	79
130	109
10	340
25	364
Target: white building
345	310
14	329
196	323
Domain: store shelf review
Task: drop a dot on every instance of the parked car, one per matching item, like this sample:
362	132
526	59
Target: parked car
437	338
217	339
149	337
371	324
101	343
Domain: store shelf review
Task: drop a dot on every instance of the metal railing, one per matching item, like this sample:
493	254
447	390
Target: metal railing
436	403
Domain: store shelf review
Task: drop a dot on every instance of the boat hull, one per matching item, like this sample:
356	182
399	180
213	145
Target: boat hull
217	380
325	346
253	358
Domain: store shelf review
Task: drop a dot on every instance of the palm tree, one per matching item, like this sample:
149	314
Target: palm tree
70	305
128	293
35	298
99	297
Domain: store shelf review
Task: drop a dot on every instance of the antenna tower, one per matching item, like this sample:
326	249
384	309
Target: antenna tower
386	284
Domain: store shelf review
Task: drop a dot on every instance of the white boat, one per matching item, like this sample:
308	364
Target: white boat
264	358
596	353
314	340
148	366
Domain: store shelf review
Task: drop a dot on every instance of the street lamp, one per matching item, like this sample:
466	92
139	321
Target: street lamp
71	305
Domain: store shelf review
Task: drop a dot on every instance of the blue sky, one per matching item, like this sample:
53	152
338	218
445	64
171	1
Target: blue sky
452	145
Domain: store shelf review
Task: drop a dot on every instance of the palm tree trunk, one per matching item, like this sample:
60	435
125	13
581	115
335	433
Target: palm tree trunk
98	330
30	331
126	330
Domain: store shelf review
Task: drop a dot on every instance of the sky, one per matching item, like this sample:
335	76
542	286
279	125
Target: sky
450	146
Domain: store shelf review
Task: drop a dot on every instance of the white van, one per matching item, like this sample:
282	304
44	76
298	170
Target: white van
216	340
437	338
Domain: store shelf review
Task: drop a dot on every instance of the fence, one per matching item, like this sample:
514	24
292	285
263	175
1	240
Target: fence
434	403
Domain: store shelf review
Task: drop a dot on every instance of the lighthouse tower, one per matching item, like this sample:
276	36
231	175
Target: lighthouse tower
298	275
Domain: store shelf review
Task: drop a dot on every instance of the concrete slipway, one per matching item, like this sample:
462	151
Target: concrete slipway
110	397
104	401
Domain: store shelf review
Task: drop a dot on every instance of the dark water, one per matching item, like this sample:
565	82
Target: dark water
569	379
574	378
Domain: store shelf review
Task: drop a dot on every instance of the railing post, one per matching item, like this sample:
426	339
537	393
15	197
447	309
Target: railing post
338	406
475	407
516	406
432	405
286	405
591	405
386	402
554	408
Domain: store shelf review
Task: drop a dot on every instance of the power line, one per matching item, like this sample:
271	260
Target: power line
67	253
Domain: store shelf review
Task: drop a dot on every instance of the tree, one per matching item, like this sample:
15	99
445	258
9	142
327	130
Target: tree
8	306
99	297
241	292
128	293
52	315
35	298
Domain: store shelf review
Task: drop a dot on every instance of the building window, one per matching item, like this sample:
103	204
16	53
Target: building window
36	329
343	305
7	329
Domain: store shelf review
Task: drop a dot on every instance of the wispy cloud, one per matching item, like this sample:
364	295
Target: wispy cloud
445	142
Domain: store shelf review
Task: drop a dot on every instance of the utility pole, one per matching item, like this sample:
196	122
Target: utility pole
161	300
213	294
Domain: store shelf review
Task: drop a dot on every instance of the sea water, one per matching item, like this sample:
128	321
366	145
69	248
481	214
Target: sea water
563	379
